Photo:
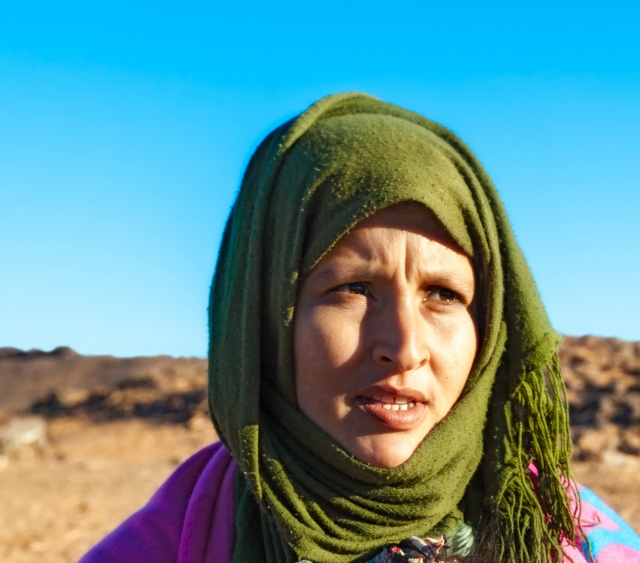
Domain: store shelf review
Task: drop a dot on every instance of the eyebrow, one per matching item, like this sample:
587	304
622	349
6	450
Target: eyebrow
465	286
357	273
330	274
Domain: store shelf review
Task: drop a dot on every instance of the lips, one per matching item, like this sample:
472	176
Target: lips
396	408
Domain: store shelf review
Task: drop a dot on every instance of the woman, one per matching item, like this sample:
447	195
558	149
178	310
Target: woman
381	366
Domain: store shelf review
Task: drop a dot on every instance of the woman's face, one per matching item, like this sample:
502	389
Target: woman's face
385	334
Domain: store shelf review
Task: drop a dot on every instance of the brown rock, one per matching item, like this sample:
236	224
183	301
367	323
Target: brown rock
593	443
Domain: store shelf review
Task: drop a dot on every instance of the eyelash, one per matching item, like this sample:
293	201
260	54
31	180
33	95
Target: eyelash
349	288
454	295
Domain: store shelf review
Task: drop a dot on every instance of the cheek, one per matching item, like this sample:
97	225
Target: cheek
324	342
467	346
326	336
456	358
473	342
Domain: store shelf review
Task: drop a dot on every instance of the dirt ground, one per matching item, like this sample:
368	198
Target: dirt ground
56	507
118	427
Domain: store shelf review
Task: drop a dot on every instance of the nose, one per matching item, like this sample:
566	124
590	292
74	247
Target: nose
400	341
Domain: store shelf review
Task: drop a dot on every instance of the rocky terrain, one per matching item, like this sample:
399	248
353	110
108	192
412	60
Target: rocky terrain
87	439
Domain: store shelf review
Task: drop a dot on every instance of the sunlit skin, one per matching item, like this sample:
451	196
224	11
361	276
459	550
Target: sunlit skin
385	334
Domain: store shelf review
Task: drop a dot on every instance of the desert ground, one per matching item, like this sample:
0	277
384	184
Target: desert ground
115	428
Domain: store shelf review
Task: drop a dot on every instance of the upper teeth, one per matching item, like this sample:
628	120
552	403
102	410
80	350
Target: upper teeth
392	402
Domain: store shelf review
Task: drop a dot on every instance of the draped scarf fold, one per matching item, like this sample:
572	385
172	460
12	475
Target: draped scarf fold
299	494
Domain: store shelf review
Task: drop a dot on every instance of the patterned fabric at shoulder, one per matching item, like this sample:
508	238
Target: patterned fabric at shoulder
611	539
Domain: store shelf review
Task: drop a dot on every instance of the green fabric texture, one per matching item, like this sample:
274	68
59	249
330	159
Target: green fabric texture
299	494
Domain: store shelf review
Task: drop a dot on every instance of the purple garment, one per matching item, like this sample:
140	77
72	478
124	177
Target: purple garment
190	518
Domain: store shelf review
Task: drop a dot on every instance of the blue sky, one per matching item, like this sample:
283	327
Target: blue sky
125	126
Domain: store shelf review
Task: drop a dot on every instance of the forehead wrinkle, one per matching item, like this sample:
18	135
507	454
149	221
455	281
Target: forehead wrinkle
361	255
373	255
420	254
345	261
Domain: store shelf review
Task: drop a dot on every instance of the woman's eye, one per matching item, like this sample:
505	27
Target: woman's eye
355	288
443	294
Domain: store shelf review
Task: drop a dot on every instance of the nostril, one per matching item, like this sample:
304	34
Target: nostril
403	361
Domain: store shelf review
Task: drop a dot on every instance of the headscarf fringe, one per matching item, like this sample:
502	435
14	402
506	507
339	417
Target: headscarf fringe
533	511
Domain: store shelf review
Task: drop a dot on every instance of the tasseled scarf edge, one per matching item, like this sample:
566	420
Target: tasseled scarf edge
533	518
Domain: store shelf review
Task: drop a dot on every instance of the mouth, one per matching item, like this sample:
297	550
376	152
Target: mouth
397	409
392	402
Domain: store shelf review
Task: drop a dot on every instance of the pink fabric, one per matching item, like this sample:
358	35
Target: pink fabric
573	554
611	539
190	519
606	535
616	553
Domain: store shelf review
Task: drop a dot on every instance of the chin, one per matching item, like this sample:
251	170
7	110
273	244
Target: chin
386	455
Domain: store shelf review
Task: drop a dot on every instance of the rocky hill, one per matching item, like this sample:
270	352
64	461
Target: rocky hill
102	433
64	383
602	377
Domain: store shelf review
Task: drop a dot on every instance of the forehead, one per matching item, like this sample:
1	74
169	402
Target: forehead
406	234
411	217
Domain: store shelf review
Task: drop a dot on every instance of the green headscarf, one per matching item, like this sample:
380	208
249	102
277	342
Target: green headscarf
299	494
